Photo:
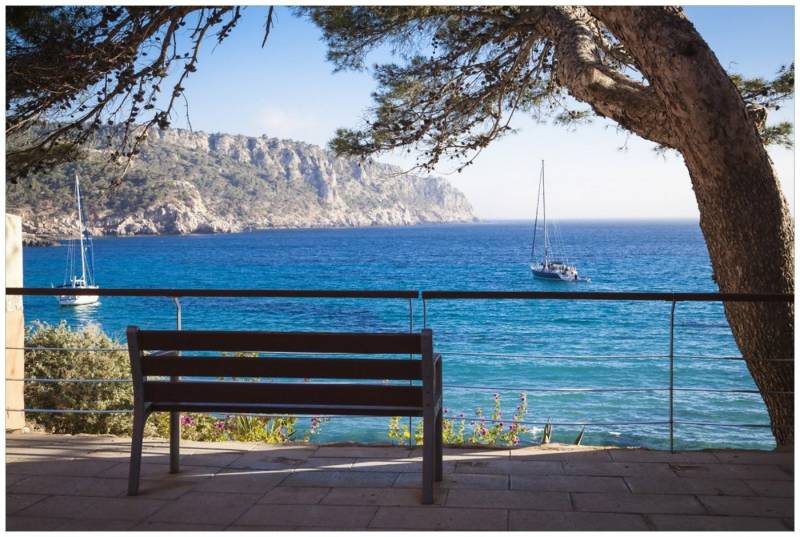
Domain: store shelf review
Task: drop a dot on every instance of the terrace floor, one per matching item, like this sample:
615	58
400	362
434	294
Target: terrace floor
57	482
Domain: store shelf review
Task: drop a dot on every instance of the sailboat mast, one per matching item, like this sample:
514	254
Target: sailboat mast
544	215
80	228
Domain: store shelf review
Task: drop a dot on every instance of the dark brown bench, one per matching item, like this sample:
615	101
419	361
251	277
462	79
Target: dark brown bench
154	353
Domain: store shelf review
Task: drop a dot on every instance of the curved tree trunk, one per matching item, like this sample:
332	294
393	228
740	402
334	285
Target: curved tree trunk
743	214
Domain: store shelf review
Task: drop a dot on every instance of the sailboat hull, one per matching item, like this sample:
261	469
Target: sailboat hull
78	300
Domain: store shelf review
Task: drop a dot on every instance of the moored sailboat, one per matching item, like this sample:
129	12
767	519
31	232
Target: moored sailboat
550	267
79	250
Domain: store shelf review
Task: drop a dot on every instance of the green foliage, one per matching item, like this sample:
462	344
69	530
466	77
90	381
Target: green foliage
114	364
76	365
762	95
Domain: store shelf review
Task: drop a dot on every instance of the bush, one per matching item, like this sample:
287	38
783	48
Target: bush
114	364
69	364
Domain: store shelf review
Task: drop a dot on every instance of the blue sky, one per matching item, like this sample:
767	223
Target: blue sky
288	90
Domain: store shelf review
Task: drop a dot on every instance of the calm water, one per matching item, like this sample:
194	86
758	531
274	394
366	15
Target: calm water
508	347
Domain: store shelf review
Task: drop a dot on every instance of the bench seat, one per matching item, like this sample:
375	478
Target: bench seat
165	379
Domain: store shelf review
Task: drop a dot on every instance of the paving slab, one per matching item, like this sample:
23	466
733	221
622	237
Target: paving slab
364	452
212	508
714	523
149	470
439	518
744	506
380	496
295	495
17	502
73	467
241	480
568	483
509	499
72	486
688	485
571	521
732	471
453	481
96	525
779	489
25	523
741	456
637	503
176	526
653	470
302	516
652	455
81	507
327	478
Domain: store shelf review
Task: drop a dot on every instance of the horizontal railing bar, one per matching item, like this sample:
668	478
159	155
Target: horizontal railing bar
709	424
222	293
75	380
457	353
602	295
554	357
67	349
425	295
465	418
610	356
458	386
620	390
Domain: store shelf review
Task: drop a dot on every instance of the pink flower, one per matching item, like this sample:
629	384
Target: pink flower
220	425
186	420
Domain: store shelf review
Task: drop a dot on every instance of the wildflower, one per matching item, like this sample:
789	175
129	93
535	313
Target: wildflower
186	420
220	424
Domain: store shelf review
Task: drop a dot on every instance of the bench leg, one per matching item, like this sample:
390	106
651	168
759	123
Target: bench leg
174	442
139	418
428	458
439	457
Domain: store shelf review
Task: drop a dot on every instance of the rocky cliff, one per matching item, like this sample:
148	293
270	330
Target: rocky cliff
193	182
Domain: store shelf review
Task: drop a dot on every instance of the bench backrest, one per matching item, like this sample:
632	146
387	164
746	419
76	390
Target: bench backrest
154	353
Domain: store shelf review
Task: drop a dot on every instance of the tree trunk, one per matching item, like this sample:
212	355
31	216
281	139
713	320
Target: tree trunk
743	214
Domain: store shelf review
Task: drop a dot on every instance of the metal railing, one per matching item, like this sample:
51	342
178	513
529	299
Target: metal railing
425	297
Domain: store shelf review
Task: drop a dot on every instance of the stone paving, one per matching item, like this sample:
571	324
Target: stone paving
69	483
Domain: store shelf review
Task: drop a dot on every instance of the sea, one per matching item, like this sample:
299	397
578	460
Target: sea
601	367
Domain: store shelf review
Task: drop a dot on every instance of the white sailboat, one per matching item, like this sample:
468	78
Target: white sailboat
550	267
85	253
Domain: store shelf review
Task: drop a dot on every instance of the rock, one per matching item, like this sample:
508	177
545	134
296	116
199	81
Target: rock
193	182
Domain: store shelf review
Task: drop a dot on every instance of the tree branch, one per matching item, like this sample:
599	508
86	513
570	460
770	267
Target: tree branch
611	94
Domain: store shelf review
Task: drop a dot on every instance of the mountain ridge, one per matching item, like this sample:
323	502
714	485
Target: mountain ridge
197	182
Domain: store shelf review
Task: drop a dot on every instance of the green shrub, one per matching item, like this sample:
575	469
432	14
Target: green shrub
114	364
70	364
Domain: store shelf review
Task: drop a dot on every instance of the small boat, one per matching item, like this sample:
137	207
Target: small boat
80	248
549	268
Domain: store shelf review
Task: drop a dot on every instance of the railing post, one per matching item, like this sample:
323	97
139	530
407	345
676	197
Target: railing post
175	417
410	356
672	378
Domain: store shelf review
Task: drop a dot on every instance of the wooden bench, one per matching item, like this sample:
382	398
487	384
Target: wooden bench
154	353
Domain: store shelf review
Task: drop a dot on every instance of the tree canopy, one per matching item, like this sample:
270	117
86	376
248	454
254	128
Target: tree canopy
77	68
466	71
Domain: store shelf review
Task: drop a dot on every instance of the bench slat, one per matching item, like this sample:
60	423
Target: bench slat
266	393
330	368
235	341
244	408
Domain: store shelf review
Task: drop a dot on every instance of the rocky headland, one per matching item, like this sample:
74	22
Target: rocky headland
193	182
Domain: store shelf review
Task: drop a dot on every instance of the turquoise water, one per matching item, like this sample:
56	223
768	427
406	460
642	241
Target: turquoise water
489	346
